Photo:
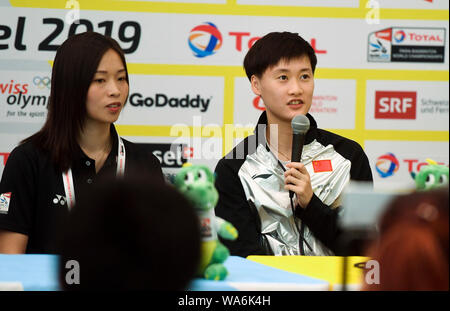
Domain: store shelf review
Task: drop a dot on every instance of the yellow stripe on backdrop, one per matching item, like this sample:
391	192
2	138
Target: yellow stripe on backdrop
360	134
232	8
185	70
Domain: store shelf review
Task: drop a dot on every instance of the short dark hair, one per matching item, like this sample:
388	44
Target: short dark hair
131	234
272	48
74	67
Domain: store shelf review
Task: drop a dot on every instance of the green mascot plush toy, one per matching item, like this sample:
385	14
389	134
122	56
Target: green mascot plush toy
431	176
196	182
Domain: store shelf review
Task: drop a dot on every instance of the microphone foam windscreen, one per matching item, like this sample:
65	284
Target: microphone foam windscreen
300	124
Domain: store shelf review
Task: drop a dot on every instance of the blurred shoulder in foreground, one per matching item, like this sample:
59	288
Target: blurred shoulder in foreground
413	245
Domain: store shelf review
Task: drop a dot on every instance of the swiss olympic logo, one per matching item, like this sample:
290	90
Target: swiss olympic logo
387	165
399	36
205	39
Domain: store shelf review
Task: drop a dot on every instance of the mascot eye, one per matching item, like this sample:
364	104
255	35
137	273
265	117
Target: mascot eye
189	178
443	180
430	180
201	175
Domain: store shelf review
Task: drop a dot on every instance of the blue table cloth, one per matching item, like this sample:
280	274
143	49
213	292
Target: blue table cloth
40	273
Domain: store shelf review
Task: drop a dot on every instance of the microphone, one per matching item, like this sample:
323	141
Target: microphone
300	125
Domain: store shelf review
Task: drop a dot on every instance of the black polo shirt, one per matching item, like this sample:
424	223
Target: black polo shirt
37	204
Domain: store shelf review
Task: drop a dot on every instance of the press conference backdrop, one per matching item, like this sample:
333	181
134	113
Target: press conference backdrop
382	74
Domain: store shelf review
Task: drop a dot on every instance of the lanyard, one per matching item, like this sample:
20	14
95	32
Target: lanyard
69	186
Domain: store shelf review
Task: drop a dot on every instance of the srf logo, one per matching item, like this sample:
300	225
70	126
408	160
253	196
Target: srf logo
395	105
205	39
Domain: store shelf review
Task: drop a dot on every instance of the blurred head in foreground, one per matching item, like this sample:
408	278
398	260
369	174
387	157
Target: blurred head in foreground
413	246
131	235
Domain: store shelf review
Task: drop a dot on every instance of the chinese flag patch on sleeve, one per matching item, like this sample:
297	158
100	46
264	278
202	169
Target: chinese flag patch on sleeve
322	166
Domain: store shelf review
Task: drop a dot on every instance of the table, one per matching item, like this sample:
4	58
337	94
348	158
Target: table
40	273
29	272
249	275
327	268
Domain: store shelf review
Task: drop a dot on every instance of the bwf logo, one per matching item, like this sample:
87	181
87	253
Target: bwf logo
395	105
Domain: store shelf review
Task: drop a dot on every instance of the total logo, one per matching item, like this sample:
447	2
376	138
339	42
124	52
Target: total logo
388	164
414	165
399	36
206	39
395	105
419	37
407	44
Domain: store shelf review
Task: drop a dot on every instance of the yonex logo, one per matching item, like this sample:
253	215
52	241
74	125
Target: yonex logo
205	40
59	199
387	165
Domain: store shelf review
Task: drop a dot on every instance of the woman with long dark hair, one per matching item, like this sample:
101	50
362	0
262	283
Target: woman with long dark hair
77	145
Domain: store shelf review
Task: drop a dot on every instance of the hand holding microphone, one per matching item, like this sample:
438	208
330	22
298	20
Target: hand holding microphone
297	179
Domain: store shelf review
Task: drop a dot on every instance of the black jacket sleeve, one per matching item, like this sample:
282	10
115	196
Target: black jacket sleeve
141	162
18	180
155	169
360	169
321	220
233	207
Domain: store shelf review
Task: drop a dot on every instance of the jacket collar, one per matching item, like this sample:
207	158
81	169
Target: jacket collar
111	159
